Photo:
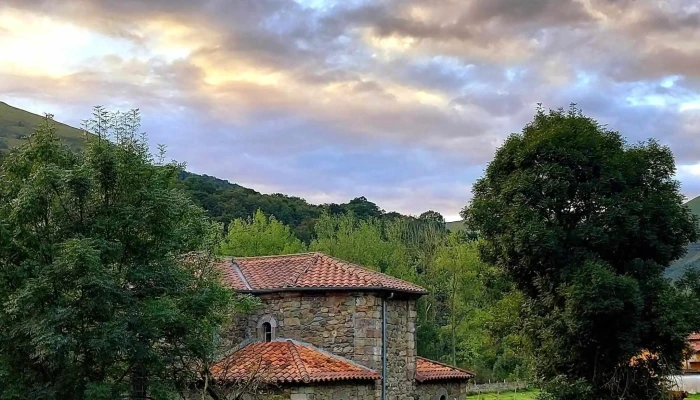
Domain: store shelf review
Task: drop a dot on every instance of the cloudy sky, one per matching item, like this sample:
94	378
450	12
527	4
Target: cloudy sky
401	101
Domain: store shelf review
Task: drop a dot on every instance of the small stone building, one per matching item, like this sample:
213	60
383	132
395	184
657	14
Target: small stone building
330	329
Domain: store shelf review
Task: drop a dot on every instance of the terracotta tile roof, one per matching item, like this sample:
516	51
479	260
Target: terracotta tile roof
288	361
694	336
429	370
307	271
695	345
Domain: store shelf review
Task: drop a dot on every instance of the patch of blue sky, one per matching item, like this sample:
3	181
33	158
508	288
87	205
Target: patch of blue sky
320	5
656	94
584	78
325	5
669	81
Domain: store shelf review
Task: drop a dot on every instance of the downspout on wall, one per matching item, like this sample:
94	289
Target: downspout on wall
384	372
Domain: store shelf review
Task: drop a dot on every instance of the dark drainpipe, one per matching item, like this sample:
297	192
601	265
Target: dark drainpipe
384	374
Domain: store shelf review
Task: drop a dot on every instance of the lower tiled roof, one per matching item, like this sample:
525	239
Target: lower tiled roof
429	370
287	362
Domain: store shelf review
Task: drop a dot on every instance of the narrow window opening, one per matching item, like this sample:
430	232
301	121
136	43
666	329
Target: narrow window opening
267	331
443	397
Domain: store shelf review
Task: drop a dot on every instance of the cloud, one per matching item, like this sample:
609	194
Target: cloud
403	101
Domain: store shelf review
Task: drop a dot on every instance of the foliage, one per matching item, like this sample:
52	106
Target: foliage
431	215
350	238
470	316
259	236
99	299
481	313
585	225
226	202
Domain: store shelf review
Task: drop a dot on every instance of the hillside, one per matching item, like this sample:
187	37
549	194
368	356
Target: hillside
17	124
674	271
692	256
694	206
455	225
223	200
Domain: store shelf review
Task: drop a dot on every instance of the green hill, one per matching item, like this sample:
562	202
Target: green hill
691	259
694	206
223	200
455	225
16	125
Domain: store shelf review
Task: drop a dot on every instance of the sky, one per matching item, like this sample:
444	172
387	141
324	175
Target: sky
401	101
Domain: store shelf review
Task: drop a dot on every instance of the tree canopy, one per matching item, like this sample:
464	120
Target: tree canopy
585	225
259	236
104	269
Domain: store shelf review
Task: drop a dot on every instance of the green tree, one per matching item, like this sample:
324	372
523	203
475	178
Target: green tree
431	215
362	208
347	237
259	236
477	311
105	279
585	225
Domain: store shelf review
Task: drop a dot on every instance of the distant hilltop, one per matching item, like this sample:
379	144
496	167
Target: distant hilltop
674	271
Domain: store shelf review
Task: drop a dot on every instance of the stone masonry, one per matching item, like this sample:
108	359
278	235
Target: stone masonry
401	348
348	324
435	391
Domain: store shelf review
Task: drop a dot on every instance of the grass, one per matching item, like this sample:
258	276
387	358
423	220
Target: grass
527	395
17	124
455	225
520	395
694	206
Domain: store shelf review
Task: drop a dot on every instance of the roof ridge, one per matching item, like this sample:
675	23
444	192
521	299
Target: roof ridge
240	275
308	253
297	361
445	365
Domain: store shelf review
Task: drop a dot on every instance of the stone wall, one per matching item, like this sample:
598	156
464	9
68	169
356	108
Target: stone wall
434	391
401	348
348	324
345	324
360	390
344	391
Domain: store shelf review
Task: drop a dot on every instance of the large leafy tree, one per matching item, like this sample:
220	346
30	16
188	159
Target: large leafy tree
259	236
105	283
585	224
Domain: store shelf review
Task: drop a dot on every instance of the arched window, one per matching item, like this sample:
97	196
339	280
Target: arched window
267	328
443	397
442	394
267	331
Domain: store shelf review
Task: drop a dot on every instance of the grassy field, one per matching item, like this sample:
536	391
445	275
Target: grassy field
529	395
526	395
